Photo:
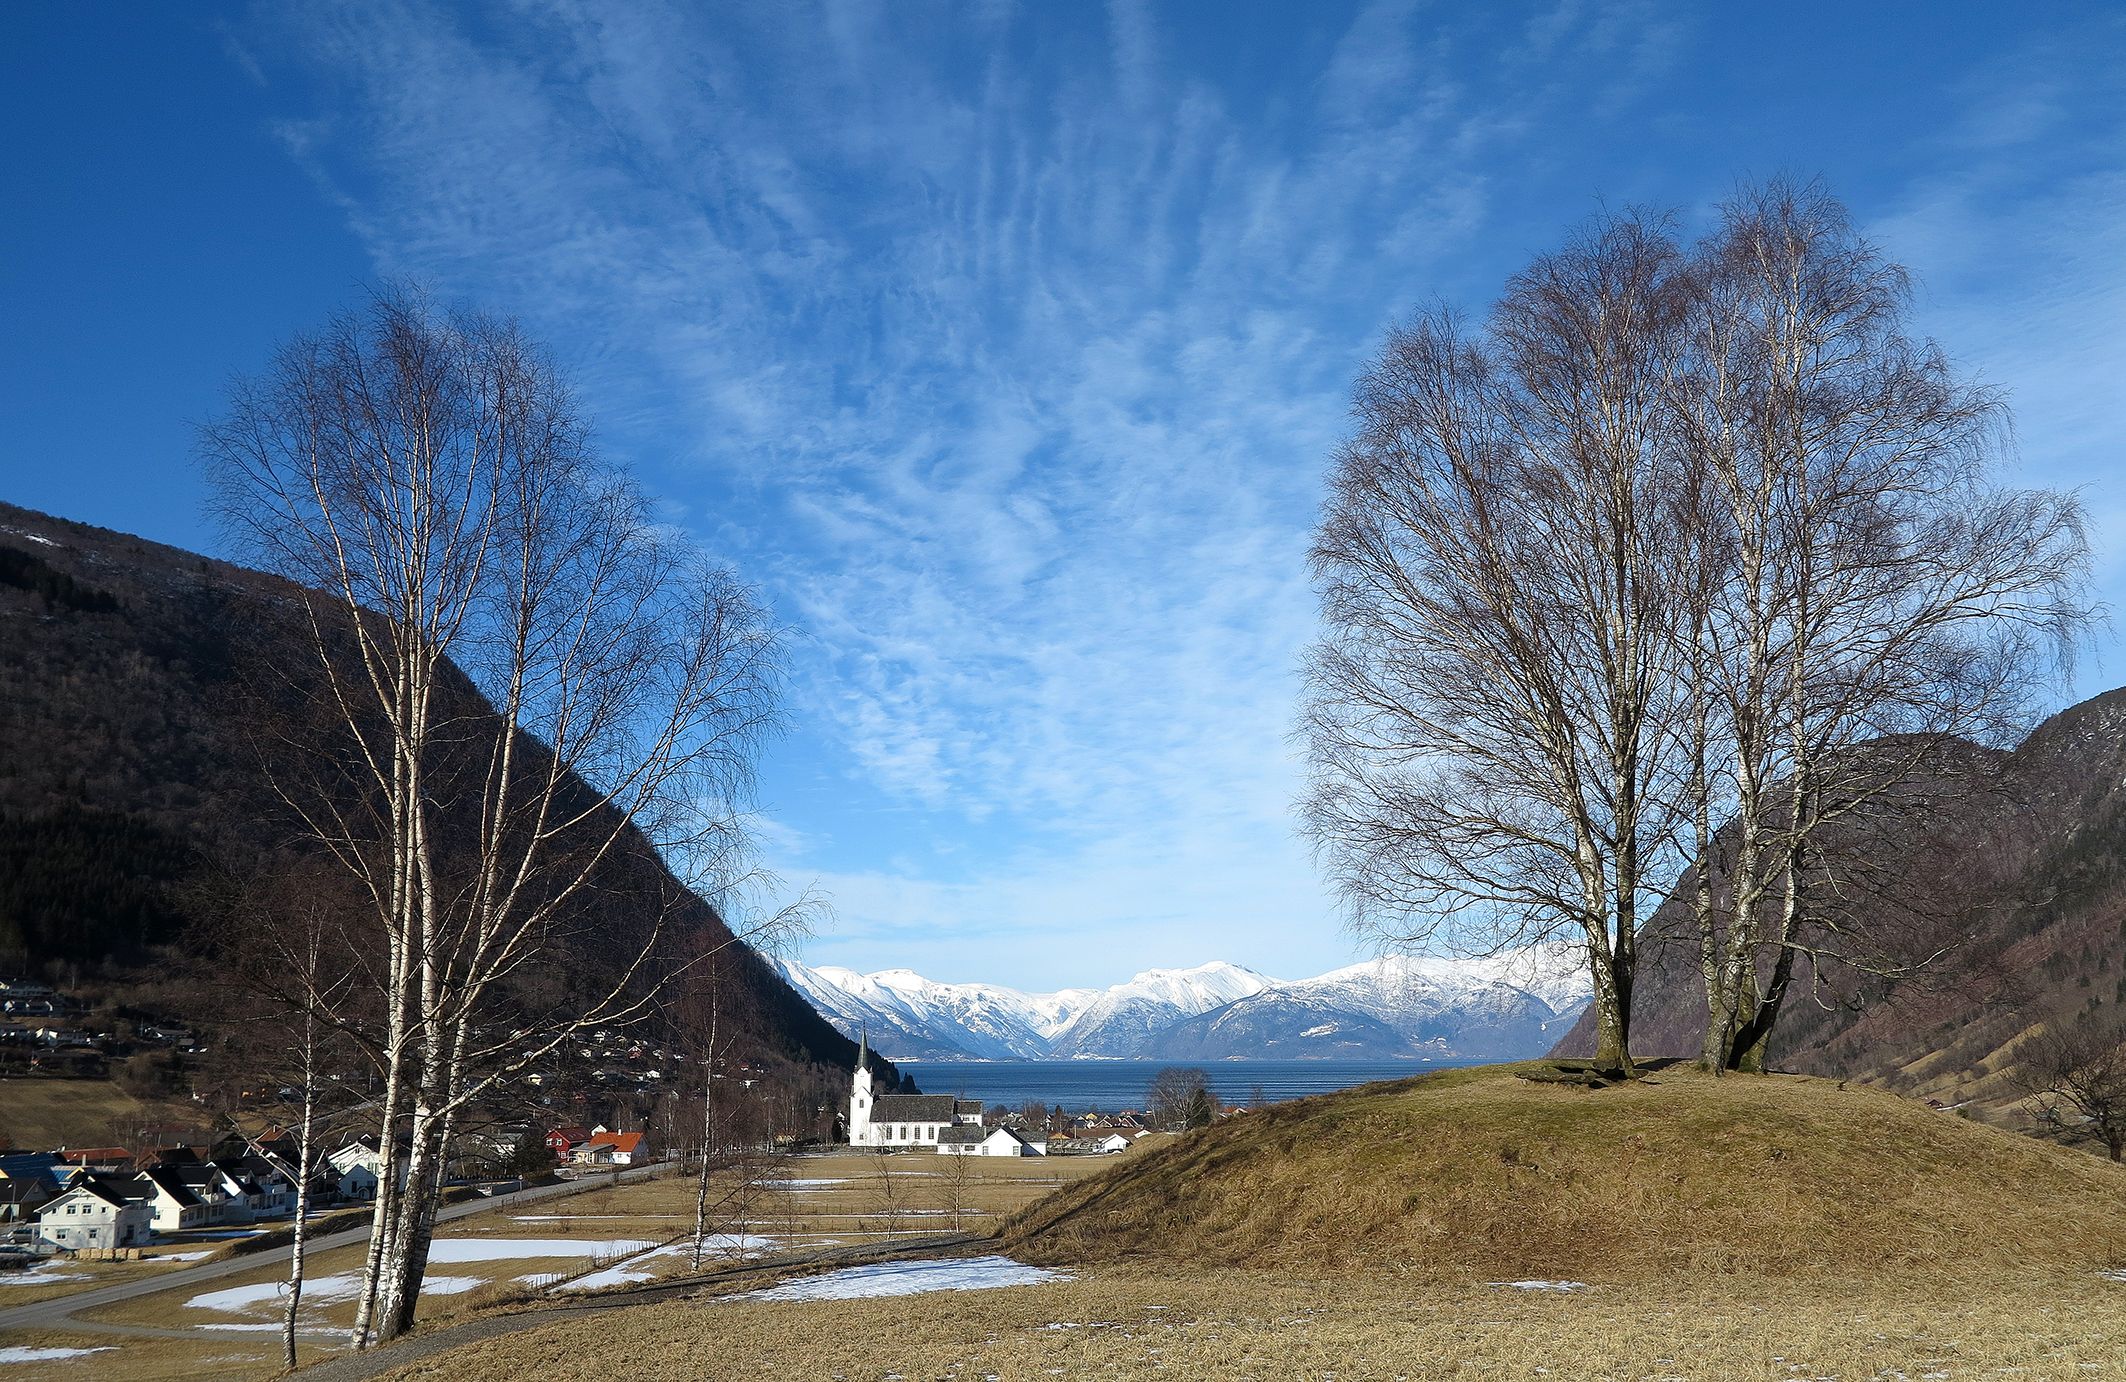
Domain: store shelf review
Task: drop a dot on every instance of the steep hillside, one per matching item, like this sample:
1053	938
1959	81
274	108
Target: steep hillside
1477	1175
127	778
2029	878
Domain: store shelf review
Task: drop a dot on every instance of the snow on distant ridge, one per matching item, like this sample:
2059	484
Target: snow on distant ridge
1497	1007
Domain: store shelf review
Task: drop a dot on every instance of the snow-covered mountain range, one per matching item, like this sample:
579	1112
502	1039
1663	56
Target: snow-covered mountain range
1502	1008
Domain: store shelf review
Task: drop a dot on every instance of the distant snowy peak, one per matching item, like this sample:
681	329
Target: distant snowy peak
911	1017
1554	972
1120	1021
1194	990
1499	1007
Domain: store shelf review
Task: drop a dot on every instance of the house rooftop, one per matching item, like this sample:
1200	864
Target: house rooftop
915	1108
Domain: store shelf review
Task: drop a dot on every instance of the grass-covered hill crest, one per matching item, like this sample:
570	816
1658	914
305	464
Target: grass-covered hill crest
1476	1174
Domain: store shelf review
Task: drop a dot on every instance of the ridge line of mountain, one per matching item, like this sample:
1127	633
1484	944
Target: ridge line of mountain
1501	1008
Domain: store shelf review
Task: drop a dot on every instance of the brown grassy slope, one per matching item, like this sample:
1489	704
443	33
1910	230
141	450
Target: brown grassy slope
76	1113
1116	1322
1477	1175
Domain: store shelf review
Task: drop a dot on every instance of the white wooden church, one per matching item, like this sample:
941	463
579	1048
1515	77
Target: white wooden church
902	1120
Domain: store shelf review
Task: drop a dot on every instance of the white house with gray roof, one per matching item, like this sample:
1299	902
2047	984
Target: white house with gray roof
980	1141
93	1211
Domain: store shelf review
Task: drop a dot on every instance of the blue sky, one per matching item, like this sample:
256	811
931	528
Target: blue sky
1003	346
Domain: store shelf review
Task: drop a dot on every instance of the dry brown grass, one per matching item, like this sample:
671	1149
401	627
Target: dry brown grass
1133	1321
1477	1175
55	1113
119	1359
80	1276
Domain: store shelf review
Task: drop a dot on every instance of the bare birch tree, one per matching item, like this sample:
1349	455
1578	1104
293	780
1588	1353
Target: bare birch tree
531	693
1866	596
956	1185
1492	714
1683	556
281	956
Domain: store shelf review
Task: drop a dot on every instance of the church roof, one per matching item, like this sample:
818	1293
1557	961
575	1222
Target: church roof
912	1108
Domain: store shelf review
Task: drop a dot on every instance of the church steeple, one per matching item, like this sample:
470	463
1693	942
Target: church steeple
860	1131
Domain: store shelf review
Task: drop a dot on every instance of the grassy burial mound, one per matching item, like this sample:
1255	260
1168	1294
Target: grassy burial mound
1476	1174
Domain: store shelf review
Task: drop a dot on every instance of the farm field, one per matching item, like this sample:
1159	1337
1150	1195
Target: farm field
1466	1224
1168	1321
603	1237
54	1113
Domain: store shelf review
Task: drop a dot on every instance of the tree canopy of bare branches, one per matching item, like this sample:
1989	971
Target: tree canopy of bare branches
1177	1095
1867	596
520	689
2076	1078
1685	553
1501	562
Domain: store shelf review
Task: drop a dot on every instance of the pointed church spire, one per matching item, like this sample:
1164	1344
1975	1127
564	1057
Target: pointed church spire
863	1049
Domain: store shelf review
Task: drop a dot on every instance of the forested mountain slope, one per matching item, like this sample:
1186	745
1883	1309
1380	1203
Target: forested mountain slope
2030	879
128	780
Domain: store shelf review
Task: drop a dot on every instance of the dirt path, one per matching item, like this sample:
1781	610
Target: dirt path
351	1367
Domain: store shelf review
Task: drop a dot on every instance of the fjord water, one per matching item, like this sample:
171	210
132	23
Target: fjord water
1113	1085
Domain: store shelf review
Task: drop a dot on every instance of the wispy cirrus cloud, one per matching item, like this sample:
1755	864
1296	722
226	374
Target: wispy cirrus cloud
1006	348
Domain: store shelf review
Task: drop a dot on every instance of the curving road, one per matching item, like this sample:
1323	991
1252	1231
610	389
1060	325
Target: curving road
59	1311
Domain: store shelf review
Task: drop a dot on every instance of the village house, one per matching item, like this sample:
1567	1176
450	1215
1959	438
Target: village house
1103	1145
171	1204
22	1198
34	1166
902	1120
97	1158
966	1140
272	1181
605	1148
562	1142
230	1196
92	1212
358	1167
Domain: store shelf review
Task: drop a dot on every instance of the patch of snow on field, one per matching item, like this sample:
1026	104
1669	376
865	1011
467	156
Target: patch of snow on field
1559	1286
814	1183
183	1256
564	1218
910	1278
324	1290
2114	1274
633	1269
509	1249
47	1355
40	1275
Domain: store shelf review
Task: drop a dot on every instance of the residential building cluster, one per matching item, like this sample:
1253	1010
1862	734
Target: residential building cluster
47	1032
